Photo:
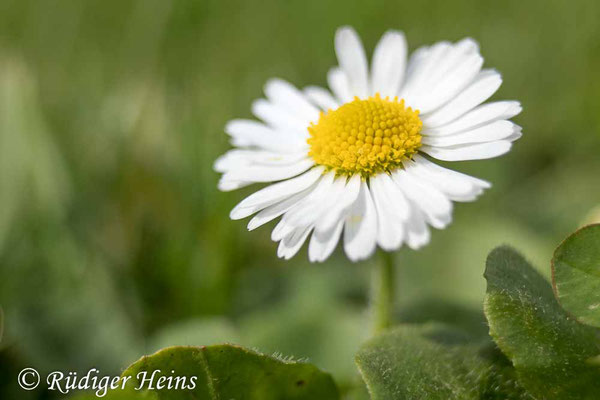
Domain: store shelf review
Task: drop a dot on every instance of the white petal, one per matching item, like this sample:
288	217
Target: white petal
282	229
313	206
266	173
482	115
317	211
436	207
290	245
275	193
417	232
449	70
414	67
455	81
449	59
249	133
478	151
291	99
517	133
388	64
457	190
455	185
484	85
322	244
360	227
238	158
391	196
227	184
419	75
280	119
338	83
487	133
352	60
321	97
435	168
234	159
345	200
390	229
271	212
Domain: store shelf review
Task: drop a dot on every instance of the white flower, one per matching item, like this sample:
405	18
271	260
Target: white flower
354	162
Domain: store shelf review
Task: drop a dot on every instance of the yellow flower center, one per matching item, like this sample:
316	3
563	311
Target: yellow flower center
365	136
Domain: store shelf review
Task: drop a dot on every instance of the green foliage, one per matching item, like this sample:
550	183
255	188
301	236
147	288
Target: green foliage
434	361
542	352
220	372
576	274
232	372
549	349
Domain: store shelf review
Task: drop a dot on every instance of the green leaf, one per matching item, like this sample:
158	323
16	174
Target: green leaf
576	274
232	372
550	350
434	361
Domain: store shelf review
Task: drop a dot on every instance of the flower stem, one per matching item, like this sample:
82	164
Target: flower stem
382	300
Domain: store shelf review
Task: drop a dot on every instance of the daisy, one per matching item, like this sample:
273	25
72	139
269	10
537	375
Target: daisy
358	160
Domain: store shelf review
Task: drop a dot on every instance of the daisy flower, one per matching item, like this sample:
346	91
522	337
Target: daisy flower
358	161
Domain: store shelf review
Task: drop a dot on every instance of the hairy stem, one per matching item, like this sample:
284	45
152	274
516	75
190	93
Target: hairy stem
382	299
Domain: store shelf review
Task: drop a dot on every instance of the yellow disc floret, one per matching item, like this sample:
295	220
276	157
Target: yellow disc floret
365	136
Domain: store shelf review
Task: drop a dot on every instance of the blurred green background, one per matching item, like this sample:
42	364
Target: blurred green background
114	240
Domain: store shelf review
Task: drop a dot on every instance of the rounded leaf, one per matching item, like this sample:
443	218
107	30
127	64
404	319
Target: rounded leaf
550	351
231	372
576	274
435	362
